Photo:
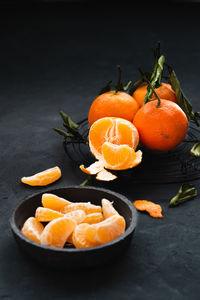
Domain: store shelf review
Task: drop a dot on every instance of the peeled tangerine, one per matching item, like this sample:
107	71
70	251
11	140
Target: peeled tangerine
32	229
43	178
113	142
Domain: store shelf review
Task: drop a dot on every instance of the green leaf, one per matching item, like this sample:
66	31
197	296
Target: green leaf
68	123
139	82
195	150
155	80
86	181
106	88
63	133
186	192
182	101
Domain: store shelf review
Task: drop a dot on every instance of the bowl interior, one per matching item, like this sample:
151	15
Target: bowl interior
76	194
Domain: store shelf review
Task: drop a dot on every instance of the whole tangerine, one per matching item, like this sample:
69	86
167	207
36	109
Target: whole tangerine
165	91
161	128
113	104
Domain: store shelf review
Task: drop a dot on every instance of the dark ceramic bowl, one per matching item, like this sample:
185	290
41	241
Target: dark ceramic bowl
71	257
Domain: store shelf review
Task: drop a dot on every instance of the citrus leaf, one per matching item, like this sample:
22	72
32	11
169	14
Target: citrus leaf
68	123
182	101
139	82
126	87
186	192
195	150
106	88
63	133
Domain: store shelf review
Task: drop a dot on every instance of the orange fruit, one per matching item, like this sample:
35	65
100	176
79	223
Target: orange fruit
32	229
43	214
114	130
87	207
107	230
165	91
54	202
77	215
43	178
93	218
56	232
108	209
79	238
161	128
113	104
155	210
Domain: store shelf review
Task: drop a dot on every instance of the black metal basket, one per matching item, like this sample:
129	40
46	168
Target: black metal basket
176	165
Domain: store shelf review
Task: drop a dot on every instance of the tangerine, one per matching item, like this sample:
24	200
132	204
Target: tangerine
43	178
32	229
161	128
165	91
113	104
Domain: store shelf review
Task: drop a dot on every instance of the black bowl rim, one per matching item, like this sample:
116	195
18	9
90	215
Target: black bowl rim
127	232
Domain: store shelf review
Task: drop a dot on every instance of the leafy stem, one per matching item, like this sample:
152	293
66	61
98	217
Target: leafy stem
185	192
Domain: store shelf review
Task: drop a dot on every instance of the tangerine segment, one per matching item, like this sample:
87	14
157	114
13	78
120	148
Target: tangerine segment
165	91
104	175
117	157
56	232
43	214
32	229
113	104
114	130
155	210
77	215
87	207
161	128
108	209
43	178
93	168
79	238
106	230
93	218
54	202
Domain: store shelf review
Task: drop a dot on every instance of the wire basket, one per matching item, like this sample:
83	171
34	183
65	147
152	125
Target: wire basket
176	165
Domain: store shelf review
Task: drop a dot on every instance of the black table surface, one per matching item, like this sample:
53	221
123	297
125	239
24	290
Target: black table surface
56	58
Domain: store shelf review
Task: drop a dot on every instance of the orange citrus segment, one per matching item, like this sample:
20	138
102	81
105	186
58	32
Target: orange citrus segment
56	232
155	210
104	175
93	218
108	209
87	207
70	240
106	230
32	229
93	168
77	215
117	157
43	214
79	238
54	202
43	178
114	130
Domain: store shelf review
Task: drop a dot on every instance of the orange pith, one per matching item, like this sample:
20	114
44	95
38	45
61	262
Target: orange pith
112	104
32	229
107	230
114	130
43	214
104	175
87	207
155	210
93	218
43	178
108	209
79	237
56	232
165	91
77	215
161	128
54	202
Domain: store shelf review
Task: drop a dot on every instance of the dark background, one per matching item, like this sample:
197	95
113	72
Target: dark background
56	57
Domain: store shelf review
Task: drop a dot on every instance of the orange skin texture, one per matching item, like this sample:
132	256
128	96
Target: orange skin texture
161	128
165	91
155	210
109	104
